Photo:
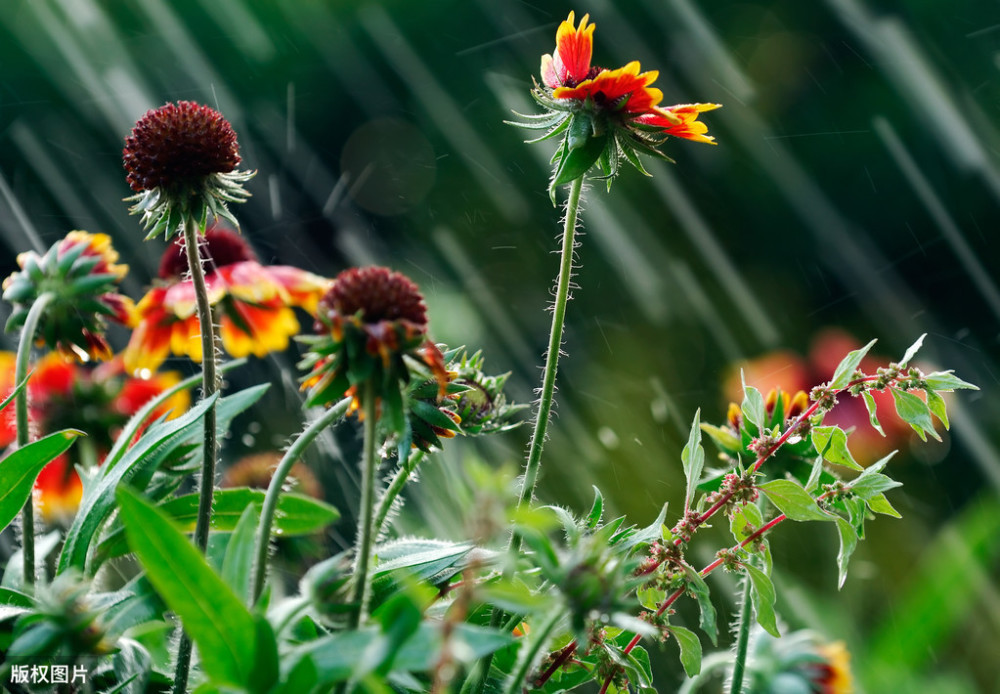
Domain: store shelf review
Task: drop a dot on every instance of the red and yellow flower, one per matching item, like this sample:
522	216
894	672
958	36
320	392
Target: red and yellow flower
254	303
604	113
98	401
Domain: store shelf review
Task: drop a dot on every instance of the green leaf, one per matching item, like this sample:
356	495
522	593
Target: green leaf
753	406
20	469
868	486
723	437
762	595
237	565
577	162
945	381
937	406
848	542
707	620
690	646
596	510
793	501
297	515
912	351
429	561
98	497
844	373
693	459
745	521
879	504
870	404
831	442
914	412
213	616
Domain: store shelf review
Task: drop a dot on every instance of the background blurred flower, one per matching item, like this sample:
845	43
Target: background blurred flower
82	273
254	304
98	401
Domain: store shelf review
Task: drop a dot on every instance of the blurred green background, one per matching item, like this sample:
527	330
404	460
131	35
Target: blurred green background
853	195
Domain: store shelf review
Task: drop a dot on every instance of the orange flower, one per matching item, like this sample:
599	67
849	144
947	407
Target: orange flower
254	304
98	401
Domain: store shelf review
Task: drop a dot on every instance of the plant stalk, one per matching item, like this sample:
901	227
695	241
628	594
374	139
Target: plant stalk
742	640
545	400
210	384
396	485
24	433
293	454
360	590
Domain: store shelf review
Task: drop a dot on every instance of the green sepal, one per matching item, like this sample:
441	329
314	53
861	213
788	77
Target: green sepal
577	162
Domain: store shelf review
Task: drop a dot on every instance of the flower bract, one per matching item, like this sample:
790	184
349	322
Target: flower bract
254	303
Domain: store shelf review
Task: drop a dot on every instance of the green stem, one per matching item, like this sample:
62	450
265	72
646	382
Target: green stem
210	384
396	485
477	679
294	453
23	431
742	640
552	356
534	644
360	590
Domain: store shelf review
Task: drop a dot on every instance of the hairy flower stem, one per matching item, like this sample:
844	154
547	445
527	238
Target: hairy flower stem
210	384
360	590
742	640
535	643
24	433
267	512
396	485
547	395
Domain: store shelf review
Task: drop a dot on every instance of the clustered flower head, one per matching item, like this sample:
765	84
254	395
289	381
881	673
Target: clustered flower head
181	161
604	115
81	274
373	328
254	303
99	401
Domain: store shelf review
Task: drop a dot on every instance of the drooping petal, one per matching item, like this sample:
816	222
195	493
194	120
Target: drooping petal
681	121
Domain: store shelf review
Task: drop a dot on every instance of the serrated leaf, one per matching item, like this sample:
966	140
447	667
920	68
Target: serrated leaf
937	406
870	405
693	459
945	381
707	619
690	647
212	615
20	469
844	373
794	501
848	542
763	597
914	412
912	351
831	442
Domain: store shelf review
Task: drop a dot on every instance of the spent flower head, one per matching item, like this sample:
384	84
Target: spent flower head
373	327
254	303
181	161
603	115
81	274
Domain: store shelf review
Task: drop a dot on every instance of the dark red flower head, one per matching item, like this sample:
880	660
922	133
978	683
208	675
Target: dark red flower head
177	145
223	246
374	295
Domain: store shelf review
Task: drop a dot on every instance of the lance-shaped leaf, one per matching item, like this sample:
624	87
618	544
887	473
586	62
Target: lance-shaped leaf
690	646
223	629
831	442
693	458
762	595
707	621
848	542
844	373
20	469
912	351
914	412
794	501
